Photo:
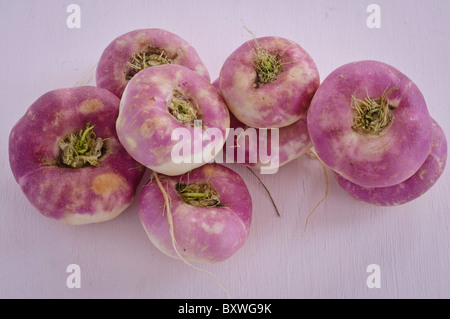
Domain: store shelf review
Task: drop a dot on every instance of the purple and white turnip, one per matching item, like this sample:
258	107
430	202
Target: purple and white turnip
210	214
281	146
410	189
369	123
137	50
169	116
66	157
268	82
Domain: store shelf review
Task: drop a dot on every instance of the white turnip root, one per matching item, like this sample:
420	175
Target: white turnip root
269	82
137	50
208	213
66	157
370	124
163	101
412	188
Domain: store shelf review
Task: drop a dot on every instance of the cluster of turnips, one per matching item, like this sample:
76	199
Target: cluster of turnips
79	154
370	124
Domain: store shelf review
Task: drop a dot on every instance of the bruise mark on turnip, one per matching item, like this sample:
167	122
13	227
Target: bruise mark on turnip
107	184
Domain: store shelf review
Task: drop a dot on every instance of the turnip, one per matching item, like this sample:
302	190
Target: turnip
269	82
65	155
369	123
134	51
166	118
205	217
243	145
413	187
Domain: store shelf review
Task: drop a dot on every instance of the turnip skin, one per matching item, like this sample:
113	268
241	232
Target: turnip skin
203	234
414	187
72	196
370	161
293	142
275	104
113	64
145	126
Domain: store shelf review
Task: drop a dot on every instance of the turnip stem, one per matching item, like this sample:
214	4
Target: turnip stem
199	195
268	65
143	60
81	149
372	115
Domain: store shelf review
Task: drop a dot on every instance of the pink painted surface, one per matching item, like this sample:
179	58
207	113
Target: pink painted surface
410	243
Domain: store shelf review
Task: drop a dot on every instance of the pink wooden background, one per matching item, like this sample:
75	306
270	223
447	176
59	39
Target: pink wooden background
410	243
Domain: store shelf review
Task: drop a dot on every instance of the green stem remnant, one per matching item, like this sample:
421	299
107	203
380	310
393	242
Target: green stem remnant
81	149
268	65
143	60
183	109
199	195
373	115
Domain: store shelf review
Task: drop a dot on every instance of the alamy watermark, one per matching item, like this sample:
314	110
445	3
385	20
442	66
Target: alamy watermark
374	279
374	19
74	279
248	145
73	20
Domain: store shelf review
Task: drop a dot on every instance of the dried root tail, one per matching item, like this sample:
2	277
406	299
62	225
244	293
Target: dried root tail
316	157
267	190
88	78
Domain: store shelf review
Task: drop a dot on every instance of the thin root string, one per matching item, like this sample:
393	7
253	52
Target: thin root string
315	156
88	77
172	233
267	190
238	137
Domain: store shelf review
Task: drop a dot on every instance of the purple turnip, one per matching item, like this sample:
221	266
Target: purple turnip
166	118
242	145
205	217
269	82
412	188
134	51
369	123
66	157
